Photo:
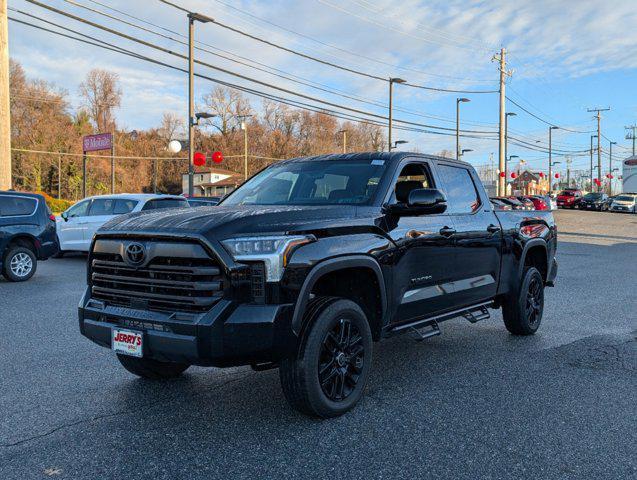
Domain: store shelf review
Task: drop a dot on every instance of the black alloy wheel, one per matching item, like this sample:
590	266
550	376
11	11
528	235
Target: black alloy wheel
534	300
341	360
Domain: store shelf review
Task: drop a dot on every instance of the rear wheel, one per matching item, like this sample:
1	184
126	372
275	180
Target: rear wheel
19	264
151	369
522	311
327	375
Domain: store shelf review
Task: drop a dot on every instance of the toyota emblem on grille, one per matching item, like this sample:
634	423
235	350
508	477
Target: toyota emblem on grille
135	253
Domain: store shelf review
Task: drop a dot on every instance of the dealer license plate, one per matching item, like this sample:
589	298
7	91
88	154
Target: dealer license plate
127	342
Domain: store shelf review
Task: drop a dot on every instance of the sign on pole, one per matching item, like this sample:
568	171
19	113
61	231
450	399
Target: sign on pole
93	143
101	141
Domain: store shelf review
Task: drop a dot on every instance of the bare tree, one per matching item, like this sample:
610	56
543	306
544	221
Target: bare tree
102	93
171	125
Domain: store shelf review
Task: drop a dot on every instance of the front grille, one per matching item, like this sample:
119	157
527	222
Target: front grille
177	277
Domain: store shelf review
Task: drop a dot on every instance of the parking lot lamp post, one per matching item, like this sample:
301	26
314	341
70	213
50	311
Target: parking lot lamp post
591	152
192	18
610	167
244	127
458	102
399	142
551	128
391	95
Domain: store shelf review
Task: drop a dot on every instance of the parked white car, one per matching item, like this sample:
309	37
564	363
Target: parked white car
76	226
626	202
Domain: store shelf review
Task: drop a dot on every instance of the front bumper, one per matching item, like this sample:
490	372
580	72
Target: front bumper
229	334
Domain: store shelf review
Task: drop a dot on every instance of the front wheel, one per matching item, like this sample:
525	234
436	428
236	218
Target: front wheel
327	375
522	311
151	369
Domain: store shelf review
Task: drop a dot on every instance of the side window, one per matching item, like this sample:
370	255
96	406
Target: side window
101	206
413	176
79	209
124	206
165	203
461	192
12	206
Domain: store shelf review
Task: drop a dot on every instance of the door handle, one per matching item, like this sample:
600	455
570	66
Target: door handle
493	228
447	231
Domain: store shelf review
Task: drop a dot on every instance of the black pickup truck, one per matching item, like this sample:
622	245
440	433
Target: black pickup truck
310	262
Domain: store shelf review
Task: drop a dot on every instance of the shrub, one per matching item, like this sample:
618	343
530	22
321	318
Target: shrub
56	205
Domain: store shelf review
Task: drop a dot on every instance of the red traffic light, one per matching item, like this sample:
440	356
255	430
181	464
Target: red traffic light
557	175
541	174
217	157
502	174
199	159
513	174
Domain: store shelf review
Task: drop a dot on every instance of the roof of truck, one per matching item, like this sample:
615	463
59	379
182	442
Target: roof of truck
386	156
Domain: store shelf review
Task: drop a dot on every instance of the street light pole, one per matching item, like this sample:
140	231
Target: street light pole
551	128
192	17
591	151
391	95
610	168
506	141
458	102
344	132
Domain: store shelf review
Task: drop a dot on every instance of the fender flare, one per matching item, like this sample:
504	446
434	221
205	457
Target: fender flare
331	265
530	244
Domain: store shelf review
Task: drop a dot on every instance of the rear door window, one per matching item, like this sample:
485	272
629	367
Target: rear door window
165	203
101	206
123	206
462	195
17	206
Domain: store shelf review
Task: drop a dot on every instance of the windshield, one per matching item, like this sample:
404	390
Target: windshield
327	182
625	198
566	194
592	196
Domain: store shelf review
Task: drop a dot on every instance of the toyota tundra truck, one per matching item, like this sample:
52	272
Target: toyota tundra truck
307	264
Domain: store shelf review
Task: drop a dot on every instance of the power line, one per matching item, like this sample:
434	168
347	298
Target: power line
241	76
335	47
284	75
542	120
325	62
282	100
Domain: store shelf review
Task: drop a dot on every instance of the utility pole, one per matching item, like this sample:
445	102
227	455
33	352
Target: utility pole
391	95
568	171
5	109
344	132
632	135
501	58
599	138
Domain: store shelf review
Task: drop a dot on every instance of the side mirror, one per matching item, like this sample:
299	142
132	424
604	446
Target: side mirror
65	216
421	201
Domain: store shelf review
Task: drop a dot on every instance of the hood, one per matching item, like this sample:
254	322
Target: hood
223	222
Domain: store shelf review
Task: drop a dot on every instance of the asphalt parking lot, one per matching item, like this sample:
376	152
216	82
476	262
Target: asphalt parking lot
472	403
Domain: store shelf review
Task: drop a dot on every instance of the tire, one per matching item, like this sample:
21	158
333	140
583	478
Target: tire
337	339
151	369
19	264
522	312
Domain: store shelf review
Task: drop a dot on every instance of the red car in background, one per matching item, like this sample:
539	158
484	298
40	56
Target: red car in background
539	203
569	198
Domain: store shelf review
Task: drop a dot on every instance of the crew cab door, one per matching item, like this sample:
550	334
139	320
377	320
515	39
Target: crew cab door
425	249
475	265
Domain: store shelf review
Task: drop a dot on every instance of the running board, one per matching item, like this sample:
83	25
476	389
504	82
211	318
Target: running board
477	315
474	314
433	331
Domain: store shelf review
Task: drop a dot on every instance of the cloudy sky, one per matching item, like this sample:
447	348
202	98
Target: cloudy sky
565	55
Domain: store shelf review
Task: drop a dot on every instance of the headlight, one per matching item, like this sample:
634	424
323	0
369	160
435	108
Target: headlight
273	251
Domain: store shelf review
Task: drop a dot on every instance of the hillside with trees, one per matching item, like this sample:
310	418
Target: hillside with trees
47	136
